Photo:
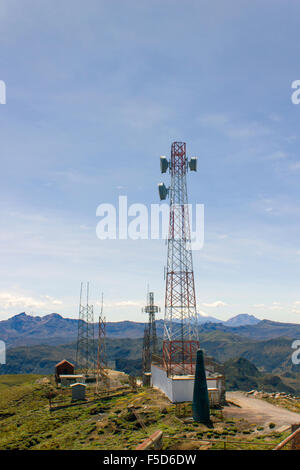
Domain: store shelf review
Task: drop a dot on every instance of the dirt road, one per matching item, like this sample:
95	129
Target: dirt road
259	412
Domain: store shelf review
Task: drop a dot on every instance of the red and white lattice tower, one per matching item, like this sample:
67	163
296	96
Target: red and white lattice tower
181	341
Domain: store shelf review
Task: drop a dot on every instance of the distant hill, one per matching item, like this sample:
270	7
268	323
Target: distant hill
26	329
271	357
241	374
207	319
239	320
242	320
54	329
263	330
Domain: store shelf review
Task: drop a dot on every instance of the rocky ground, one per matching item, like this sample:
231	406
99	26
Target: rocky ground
255	408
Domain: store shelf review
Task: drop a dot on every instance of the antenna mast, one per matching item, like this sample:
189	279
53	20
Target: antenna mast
150	337
85	353
102	374
181	340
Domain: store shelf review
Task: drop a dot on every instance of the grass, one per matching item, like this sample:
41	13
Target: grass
110	424
7	381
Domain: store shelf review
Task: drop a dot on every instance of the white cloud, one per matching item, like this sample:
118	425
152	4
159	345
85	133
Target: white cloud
259	305
10	300
53	301
275	306
217	303
202	314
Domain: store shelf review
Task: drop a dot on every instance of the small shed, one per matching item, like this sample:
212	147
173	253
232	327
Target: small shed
63	368
78	391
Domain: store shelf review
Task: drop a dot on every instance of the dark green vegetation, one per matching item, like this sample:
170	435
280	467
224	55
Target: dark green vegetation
110	423
41	359
267	345
243	375
271	367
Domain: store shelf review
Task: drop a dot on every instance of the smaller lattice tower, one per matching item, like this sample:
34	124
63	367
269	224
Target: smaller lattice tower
102	380
85	353
150	338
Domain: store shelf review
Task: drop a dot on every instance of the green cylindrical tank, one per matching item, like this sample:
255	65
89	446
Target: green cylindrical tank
200	396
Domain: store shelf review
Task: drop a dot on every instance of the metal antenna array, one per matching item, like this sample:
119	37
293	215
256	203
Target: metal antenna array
180	323
85	353
102	374
150	338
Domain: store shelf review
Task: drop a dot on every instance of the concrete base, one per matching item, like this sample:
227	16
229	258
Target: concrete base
180	388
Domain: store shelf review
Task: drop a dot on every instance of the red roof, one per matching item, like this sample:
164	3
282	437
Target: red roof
64	361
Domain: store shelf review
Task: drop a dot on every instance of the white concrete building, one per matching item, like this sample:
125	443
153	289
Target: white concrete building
180	388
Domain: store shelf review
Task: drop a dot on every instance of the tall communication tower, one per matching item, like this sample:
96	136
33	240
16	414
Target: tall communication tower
181	340
85	353
102	374
150	338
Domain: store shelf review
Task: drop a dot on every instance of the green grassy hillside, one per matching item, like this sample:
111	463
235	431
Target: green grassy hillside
110	423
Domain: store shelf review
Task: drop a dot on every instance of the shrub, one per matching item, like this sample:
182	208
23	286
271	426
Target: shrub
50	393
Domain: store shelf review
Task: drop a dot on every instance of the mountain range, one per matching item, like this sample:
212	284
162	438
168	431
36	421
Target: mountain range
239	320
53	329
36	344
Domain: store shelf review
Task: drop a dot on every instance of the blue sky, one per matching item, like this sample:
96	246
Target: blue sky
96	92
